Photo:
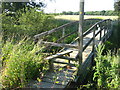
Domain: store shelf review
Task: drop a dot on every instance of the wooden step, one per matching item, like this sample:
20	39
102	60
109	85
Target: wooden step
68	58
64	63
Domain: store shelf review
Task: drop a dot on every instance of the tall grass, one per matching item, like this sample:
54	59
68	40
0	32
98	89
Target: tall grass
21	64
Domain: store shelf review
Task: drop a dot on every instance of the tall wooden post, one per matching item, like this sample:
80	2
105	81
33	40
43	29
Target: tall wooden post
80	32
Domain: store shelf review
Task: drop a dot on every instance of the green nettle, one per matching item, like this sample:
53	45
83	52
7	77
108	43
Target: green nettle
21	64
107	70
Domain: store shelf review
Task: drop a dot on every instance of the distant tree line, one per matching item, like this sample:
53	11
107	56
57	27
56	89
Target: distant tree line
103	12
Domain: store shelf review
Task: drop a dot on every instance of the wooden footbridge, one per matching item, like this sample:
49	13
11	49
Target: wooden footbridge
72	63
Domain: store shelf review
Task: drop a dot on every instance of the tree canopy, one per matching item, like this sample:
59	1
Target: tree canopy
15	6
117	6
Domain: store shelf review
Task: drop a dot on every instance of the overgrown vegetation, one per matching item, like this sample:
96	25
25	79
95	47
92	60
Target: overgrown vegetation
106	73
107	67
25	24
21	64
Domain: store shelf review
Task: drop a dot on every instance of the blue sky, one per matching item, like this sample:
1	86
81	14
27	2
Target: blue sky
73	5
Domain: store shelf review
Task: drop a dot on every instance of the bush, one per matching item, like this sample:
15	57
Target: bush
107	70
21	64
27	23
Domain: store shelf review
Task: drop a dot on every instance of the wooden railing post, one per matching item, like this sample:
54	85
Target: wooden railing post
63	34
51	66
80	30
100	31
111	24
80	35
94	38
108	29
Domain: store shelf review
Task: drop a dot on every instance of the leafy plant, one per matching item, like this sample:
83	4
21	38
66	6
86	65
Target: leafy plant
107	67
27	23
21	64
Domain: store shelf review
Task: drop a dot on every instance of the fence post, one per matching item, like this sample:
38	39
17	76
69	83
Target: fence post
80	33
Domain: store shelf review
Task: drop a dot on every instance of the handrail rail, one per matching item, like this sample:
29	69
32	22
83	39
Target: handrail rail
91	28
54	30
99	27
65	25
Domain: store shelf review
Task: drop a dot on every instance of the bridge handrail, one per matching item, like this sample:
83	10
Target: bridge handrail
53	30
92	27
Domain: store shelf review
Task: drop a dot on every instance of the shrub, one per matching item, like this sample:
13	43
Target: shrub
21	64
107	70
27	23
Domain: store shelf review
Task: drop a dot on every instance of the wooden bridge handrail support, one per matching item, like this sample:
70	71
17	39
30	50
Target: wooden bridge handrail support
51	58
62	38
100	32
93	48
63	33
58	44
53	30
92	27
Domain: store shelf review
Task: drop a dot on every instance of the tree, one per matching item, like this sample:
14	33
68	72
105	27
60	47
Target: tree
103	12
117	6
15	6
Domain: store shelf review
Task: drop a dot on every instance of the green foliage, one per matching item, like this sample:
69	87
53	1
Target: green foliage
103	12
113	42
26	24
107	70
117	6
21	64
15	6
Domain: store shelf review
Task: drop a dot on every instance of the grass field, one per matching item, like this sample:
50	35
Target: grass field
76	17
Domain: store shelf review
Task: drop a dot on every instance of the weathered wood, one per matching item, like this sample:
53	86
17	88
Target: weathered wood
87	44
58	44
93	48
57	82
44	85
64	63
54	30
51	65
65	36
58	54
92	27
85	67
80	32
68	58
